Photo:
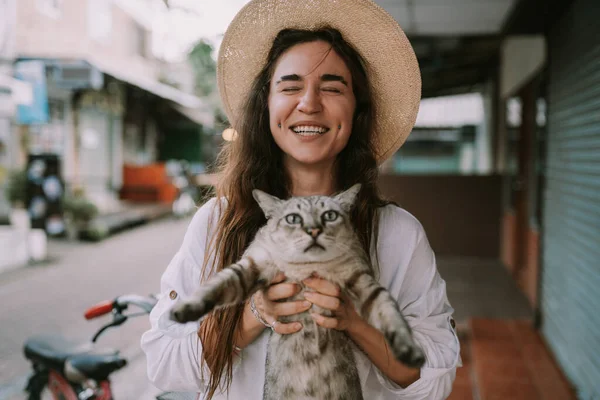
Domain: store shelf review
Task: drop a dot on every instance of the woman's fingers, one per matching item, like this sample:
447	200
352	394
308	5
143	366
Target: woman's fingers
324	301
323	286
326	322
280	277
288	308
281	291
271	310
286	329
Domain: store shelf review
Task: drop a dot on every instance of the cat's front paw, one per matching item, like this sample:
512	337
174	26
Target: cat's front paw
189	311
406	351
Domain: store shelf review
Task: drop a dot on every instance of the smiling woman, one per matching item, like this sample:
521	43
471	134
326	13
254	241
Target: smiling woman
311	104
316	105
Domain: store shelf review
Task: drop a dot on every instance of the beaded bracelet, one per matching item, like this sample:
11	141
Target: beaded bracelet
257	314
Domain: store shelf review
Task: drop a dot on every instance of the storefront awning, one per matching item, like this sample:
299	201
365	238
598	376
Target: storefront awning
150	85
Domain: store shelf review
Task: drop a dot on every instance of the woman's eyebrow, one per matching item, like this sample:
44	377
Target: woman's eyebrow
324	78
333	78
287	78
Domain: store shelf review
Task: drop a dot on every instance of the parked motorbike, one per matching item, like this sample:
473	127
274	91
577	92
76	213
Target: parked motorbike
187	191
80	371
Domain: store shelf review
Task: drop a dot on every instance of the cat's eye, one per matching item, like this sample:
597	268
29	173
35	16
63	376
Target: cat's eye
293	219
329	216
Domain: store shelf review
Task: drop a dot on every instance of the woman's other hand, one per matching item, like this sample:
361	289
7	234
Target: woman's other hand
270	305
328	295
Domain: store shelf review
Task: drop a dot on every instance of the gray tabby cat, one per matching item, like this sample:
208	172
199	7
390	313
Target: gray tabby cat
304	235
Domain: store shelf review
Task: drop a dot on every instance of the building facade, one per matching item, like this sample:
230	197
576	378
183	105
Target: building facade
103	91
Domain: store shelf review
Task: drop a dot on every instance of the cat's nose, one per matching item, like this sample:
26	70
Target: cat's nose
314	232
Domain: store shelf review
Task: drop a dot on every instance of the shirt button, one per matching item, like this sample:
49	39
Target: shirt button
173	295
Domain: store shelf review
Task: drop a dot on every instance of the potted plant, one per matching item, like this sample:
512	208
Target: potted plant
16	194
79	211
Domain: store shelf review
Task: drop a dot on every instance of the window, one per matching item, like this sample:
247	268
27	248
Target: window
52	8
99	19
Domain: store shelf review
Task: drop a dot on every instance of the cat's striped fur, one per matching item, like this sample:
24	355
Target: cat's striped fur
306	235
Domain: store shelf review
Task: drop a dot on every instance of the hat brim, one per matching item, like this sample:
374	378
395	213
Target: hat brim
392	66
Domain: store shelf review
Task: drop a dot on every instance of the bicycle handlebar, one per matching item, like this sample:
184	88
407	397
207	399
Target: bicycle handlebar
146	303
117	306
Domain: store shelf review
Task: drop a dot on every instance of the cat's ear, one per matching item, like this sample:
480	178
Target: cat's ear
348	197
266	202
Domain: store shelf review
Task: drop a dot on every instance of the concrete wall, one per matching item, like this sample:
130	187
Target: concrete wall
461	214
522	58
66	35
7	31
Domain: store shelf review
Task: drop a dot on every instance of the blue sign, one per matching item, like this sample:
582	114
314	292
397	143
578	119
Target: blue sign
34	72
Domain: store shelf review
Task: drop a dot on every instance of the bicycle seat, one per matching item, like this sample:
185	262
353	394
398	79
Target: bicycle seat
53	351
96	366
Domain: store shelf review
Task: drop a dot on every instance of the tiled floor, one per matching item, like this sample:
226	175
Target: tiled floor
504	358
507	360
463	385
481	288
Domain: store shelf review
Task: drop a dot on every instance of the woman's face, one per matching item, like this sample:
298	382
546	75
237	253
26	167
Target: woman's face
311	104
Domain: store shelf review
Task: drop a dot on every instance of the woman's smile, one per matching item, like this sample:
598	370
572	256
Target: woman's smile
306	131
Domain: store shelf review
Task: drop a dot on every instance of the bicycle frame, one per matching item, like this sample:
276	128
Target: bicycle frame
60	387
70	383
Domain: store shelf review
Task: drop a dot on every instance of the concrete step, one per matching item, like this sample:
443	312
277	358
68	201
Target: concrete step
129	216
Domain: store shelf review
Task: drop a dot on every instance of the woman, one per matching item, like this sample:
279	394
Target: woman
317	104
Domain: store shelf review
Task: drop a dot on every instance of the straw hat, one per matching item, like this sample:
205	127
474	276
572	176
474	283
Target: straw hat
392	66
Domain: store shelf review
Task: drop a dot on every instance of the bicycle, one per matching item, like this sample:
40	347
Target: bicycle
79	371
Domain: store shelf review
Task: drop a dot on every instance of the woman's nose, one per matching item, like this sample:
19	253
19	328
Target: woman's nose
310	102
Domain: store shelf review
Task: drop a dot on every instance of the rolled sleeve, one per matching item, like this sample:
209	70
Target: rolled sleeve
173	350
421	294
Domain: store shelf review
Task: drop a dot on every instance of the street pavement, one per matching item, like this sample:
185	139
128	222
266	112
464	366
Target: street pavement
52	298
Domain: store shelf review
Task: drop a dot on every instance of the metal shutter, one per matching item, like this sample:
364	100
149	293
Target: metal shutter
570	281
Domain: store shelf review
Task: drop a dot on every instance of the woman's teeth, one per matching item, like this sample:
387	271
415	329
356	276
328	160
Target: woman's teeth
309	130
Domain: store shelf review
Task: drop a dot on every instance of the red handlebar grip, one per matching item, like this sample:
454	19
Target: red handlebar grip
99	309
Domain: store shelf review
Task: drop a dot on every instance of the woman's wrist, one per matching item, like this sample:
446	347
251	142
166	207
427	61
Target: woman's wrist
257	315
357	328
249	329
373	343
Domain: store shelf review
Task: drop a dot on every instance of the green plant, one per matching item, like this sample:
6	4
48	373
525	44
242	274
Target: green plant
16	189
79	208
205	68
96	232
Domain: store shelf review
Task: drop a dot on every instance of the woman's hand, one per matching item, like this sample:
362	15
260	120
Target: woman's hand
269	305
328	295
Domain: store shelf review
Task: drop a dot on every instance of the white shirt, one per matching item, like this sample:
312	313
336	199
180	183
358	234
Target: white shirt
407	269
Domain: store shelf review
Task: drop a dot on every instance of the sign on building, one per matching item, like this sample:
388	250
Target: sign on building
33	72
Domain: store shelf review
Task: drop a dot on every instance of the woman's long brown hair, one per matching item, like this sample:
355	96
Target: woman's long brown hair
253	160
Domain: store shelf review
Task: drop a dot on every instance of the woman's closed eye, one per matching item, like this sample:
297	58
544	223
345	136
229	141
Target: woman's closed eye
292	89
296	89
332	90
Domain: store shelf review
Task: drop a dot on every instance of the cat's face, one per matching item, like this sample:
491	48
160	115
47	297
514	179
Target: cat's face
309	229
